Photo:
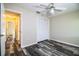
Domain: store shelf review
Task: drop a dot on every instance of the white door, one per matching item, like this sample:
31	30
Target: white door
42	29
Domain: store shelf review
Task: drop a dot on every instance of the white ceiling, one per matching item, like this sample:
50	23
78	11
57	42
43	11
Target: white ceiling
68	6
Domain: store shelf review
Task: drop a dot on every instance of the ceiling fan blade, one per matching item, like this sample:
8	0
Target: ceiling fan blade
39	7
38	12
51	5
43	5
58	10
42	12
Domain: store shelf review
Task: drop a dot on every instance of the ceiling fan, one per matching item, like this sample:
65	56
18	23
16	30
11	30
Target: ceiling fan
50	8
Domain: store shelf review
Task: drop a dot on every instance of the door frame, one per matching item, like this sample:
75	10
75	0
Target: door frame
19	22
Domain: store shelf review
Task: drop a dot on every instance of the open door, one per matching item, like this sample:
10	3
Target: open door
13	35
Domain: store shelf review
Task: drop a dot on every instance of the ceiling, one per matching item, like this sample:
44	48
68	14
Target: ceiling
68	6
71	6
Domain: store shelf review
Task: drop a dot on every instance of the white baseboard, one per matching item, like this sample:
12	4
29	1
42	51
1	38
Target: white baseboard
28	45
65	42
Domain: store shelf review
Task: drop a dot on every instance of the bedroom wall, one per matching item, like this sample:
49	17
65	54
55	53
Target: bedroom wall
65	28
28	24
32	30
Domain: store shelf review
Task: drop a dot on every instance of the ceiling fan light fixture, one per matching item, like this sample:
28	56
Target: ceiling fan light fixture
52	11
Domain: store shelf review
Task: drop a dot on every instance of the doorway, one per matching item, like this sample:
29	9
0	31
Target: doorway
13	34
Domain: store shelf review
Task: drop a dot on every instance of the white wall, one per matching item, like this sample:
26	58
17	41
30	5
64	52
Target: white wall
28	24
32	30
65	28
